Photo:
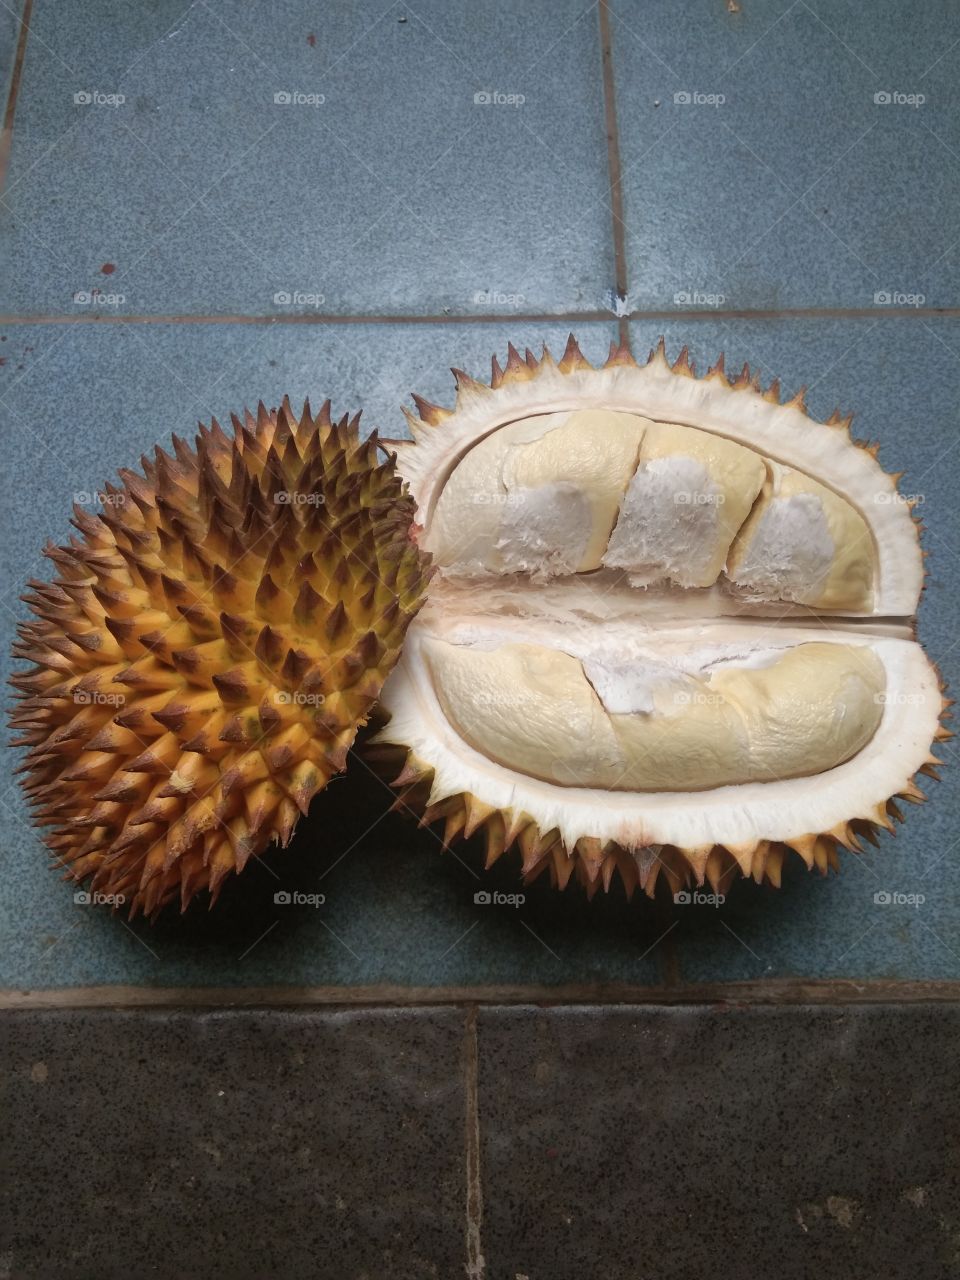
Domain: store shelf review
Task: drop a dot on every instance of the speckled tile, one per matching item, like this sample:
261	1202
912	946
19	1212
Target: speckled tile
81	400
776	154
9	36
233	1145
640	1142
902	377
360	158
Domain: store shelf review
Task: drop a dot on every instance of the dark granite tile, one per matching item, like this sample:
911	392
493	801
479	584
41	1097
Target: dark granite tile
233	1145
638	1143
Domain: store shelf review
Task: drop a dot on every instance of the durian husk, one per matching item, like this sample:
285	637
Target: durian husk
590	862
594	864
208	649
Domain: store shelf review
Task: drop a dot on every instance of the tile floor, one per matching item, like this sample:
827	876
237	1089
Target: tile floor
208	203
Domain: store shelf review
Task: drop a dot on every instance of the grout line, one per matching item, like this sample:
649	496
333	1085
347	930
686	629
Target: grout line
475	1260
94	318
613	164
766	991
520	317
6	135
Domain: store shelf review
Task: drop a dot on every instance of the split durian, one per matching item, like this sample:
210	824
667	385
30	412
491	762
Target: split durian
209	648
671	633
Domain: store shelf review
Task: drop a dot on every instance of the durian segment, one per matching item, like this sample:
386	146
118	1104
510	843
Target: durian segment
804	543
539	496
735	408
749	822
689	496
777	715
210	647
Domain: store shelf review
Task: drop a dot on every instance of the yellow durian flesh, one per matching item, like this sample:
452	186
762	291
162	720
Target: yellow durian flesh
790	713
683	507
565	493
802	542
539	494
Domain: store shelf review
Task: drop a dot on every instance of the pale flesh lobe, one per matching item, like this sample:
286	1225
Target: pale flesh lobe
671	506
771	715
570	492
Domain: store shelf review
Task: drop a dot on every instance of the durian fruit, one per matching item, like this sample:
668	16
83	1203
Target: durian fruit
671	633
209	648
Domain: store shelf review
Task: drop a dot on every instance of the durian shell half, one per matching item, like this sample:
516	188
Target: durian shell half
591	837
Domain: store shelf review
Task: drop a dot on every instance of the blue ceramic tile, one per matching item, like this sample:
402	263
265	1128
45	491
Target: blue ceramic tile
9	37
760	168
334	157
902	377
79	400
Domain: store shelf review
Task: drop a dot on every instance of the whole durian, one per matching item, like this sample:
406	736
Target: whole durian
211	644
671	634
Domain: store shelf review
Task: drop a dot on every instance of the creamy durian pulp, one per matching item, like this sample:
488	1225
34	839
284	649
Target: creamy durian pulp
653	504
